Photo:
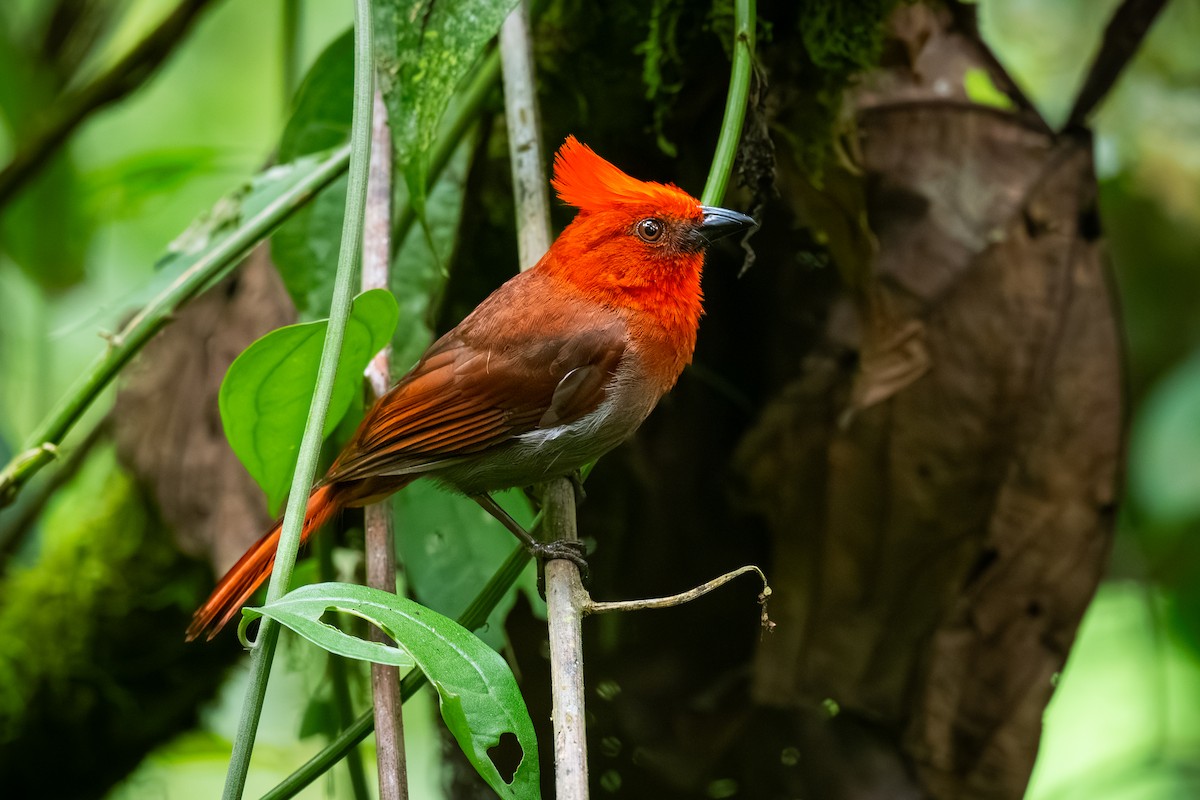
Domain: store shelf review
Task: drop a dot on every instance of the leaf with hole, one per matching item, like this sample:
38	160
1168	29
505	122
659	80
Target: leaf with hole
266	394
479	697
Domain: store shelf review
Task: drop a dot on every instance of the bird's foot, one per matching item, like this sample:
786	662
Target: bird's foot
570	550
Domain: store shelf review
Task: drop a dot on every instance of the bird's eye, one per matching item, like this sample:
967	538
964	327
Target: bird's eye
650	230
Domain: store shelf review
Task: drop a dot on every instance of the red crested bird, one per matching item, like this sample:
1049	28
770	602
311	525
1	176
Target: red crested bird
557	367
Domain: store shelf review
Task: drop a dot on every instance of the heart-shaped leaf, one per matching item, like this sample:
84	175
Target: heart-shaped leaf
266	394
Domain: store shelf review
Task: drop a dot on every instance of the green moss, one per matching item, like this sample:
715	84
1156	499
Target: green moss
840	40
661	64
92	535
92	658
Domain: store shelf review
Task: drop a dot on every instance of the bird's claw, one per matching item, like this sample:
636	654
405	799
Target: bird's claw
570	550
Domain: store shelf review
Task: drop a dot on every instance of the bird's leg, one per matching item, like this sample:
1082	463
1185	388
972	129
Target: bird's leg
542	551
534	492
576	479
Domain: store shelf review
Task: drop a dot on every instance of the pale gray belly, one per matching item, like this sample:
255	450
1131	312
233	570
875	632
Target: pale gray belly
546	453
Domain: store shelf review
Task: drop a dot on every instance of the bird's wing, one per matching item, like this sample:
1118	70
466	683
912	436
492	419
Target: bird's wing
464	398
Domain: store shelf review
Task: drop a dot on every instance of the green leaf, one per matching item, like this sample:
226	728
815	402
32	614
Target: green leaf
305	248
479	697
226	219
46	229
321	111
423	49
265	396
450	547
124	188
417	275
981	89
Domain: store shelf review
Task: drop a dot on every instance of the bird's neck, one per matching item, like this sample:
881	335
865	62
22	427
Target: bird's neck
662	302
664	295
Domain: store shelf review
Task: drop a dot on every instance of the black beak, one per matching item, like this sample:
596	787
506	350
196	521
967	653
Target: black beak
721	222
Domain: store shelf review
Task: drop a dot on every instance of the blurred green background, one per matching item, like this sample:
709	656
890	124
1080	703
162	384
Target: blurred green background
1125	721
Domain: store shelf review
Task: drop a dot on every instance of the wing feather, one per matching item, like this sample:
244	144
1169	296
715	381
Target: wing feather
474	392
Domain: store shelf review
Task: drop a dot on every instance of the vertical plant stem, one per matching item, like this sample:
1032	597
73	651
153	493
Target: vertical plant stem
524	137
565	595
339	678
744	21
310	444
380	538
477	87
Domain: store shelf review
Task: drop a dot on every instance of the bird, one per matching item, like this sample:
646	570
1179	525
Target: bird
556	367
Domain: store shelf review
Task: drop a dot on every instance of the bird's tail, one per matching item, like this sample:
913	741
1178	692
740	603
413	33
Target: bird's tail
253	568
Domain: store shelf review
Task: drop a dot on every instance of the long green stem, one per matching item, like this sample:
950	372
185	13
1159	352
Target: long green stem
473	617
154	316
744	17
310	445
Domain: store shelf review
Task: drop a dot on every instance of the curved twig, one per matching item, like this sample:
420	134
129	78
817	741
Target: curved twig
597	607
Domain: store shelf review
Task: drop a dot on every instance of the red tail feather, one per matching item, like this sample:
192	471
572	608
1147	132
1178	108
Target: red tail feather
253	568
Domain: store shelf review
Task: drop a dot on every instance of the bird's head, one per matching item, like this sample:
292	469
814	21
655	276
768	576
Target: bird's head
633	243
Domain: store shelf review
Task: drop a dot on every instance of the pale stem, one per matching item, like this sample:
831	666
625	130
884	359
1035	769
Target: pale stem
524	137
380	537
566	600
595	607
564	592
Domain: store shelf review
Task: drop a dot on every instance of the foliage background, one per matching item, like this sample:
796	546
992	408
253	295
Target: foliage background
1125	722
